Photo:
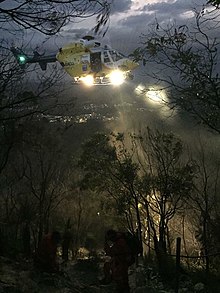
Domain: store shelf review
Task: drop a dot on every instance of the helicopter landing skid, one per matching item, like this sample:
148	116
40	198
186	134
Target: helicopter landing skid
96	81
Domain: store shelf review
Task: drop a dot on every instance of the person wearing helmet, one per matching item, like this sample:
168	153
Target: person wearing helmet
117	268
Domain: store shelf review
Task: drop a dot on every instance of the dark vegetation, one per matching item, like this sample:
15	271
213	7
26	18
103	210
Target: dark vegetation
186	64
146	181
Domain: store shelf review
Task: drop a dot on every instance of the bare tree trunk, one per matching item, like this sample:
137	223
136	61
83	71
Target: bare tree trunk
138	223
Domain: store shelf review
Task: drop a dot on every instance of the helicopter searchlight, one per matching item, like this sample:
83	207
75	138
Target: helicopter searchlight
87	61
117	77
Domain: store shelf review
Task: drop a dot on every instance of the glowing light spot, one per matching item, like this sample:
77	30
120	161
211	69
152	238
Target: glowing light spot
140	89
88	80
117	77
139	205
22	59
155	96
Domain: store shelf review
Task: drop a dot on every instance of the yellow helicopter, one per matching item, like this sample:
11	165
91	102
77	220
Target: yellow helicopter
87	61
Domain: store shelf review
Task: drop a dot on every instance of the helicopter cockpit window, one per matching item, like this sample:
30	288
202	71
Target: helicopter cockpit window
106	57
116	55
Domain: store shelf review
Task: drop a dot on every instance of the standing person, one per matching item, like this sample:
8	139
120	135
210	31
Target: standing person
67	240
26	239
46	254
121	258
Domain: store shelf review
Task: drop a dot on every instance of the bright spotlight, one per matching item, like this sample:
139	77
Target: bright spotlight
117	77
154	95
88	80
140	89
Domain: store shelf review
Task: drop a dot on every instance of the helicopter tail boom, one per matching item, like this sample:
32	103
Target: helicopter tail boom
23	58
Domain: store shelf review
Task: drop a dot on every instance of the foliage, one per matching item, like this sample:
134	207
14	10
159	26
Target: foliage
185	62
166	184
102	160
155	184
214	2
49	17
33	181
109	168
205	203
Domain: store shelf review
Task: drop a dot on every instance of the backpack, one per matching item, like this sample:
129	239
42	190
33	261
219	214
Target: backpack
134	243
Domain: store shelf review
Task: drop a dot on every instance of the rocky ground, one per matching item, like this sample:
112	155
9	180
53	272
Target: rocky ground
78	276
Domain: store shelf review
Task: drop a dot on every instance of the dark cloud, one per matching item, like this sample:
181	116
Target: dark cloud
164	12
120	6
137	21
75	33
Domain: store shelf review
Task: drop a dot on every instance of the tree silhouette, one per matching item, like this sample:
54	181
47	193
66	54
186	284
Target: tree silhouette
49	17
184	62
214	2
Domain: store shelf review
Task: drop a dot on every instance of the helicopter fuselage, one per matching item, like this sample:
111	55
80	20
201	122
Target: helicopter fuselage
80	60
85	59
